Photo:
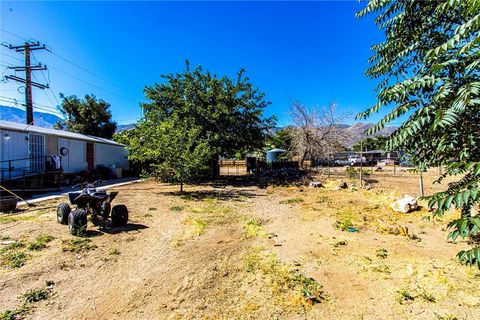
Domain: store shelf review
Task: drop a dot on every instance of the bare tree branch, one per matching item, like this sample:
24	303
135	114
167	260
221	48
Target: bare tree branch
316	131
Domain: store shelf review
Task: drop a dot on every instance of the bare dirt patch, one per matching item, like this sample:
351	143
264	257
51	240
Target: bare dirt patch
242	253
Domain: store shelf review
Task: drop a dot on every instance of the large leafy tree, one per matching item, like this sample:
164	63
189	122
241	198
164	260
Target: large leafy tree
428	69
229	111
203	115
175	147
282	139
370	143
90	116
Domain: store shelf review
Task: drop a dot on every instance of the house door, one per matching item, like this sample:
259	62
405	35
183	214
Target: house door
36	150
90	156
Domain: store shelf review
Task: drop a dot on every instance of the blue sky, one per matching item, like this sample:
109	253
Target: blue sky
315	52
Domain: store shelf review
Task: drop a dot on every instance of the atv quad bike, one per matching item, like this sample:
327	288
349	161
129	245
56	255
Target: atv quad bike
93	203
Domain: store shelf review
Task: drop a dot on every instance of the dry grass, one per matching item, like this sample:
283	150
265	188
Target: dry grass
287	287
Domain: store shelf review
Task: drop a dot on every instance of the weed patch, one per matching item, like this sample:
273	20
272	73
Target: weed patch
15	218
176	208
14	314
29	297
405	296
78	245
287	285
382	253
292	201
114	252
253	228
340	243
13	259
40	243
427	296
382	268
39	294
343	224
324	200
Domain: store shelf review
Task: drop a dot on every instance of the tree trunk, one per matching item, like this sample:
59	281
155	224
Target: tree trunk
181	187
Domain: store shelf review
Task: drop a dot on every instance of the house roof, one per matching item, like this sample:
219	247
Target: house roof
15	126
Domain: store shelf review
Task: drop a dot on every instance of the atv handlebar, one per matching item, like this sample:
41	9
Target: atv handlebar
86	184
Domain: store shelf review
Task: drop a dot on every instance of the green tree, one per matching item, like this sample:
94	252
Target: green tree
230	111
282	139
211	116
371	143
428	69
176	146
88	116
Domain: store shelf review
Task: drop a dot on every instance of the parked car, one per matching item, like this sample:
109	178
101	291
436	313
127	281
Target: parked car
356	160
342	162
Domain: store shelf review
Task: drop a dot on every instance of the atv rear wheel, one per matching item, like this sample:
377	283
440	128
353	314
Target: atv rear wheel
119	215
63	210
77	222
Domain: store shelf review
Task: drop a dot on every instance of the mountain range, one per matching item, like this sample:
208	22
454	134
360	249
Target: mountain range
41	119
47	120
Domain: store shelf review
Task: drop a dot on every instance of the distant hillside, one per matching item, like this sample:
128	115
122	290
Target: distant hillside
356	132
41	119
122	127
47	120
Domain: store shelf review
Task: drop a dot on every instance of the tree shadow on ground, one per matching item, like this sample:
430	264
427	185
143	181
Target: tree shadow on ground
234	195
272	178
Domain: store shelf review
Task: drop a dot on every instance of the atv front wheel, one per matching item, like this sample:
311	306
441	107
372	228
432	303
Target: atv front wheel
63	210
77	222
119	215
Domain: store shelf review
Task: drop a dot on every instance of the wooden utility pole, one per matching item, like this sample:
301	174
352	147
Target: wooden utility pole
361	163
28	68
421	183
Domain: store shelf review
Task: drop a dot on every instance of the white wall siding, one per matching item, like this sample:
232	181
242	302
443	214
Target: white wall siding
76	160
105	154
13	146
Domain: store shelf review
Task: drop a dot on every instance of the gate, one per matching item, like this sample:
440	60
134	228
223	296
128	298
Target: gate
36	150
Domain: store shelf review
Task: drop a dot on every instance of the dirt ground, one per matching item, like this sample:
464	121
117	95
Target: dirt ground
241	252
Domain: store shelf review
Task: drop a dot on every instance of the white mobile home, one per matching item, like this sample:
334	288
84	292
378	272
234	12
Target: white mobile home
32	148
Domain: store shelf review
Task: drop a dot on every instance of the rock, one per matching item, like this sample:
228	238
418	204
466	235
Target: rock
367	186
341	185
7	242
315	184
406	204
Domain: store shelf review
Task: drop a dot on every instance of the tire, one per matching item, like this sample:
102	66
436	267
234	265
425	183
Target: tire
63	210
106	208
119	215
77	222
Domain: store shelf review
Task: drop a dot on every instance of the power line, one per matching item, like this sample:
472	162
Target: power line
13	34
47	81
37	105
86	70
15	58
91	84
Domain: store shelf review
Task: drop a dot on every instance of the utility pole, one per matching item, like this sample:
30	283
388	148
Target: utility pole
421	182
361	163
28	68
